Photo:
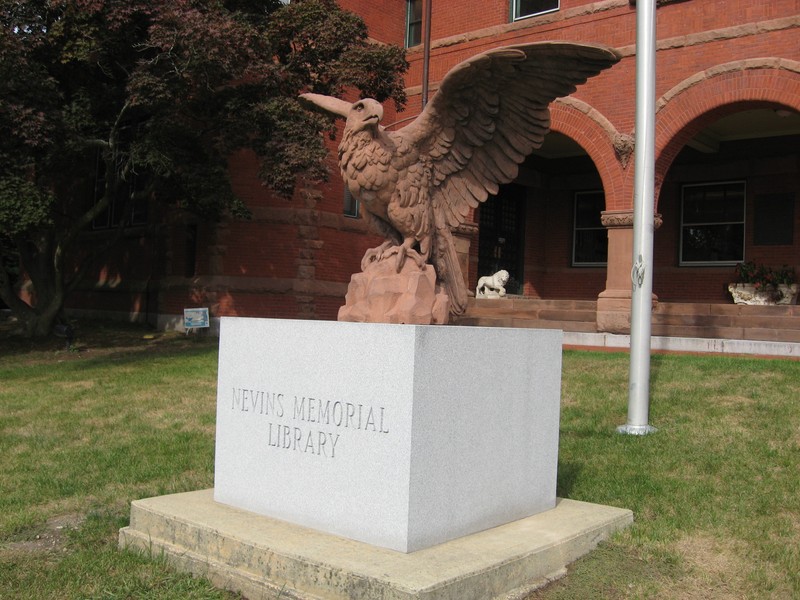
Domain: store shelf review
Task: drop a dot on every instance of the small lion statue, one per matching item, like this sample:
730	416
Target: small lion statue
492	286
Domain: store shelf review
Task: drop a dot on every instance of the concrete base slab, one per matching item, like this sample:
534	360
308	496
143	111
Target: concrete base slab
264	557
685	344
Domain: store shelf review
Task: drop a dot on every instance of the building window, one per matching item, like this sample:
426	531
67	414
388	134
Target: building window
528	8
413	23
712	223
350	204
127	206
590	240
190	251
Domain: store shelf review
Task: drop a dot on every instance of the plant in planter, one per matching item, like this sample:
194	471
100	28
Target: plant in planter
759	284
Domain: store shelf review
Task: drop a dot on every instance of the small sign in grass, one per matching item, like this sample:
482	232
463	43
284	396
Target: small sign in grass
195	318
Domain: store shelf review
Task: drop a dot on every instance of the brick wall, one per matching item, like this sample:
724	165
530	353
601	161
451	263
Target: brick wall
714	58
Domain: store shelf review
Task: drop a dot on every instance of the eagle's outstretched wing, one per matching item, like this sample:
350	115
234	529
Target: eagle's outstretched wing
490	112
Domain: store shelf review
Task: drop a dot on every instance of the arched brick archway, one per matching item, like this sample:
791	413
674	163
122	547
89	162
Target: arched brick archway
612	154
609	150
714	93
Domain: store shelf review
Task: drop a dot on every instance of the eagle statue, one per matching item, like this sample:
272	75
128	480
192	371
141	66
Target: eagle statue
418	183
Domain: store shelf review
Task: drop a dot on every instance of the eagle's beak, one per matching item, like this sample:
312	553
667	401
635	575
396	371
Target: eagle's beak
373	110
365	114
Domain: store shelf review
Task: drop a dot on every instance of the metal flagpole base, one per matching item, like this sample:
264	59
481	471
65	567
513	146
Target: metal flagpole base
636	429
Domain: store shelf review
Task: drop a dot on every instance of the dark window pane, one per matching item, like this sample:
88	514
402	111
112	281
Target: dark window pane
126	206
526	8
415	10
139	212
414	34
350	204
588	207
713	223
414	23
716	203
190	252
713	243
591	246
590	241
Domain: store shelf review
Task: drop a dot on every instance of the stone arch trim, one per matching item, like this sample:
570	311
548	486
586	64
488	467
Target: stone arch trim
610	150
715	92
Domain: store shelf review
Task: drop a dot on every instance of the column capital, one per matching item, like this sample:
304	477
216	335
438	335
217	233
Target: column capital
612	219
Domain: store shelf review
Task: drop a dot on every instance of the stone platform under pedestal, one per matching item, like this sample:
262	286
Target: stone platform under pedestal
264	557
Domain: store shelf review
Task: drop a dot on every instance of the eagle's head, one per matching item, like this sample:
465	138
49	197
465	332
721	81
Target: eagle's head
364	115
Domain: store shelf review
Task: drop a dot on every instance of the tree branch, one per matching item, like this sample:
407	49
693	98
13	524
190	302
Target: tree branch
96	143
111	179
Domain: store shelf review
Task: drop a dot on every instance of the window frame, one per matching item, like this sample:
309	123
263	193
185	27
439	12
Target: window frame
138	210
576	228
515	10
409	22
351	206
684	224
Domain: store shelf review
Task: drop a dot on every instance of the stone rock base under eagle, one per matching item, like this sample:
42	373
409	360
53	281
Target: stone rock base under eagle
380	294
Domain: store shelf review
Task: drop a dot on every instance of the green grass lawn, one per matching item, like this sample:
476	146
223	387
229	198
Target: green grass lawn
130	414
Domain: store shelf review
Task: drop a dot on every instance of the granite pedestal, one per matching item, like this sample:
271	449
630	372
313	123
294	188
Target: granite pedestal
401	436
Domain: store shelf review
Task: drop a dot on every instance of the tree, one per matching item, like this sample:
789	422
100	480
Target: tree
148	99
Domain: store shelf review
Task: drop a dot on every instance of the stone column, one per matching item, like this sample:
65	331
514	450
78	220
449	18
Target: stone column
614	303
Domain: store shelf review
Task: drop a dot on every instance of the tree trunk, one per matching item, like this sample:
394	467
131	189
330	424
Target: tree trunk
41	325
44	273
37	320
42	254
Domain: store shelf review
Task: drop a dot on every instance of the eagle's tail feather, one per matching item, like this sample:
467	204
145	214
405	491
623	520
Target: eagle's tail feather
448	270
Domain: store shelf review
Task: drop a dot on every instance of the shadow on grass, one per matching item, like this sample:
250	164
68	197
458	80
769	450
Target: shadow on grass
568	473
658	369
109	361
99	341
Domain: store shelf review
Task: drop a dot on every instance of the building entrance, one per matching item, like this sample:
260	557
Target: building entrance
501	241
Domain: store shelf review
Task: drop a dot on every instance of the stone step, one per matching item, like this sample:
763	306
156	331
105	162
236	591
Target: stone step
509	321
737	310
728	333
527	308
728	321
701	320
762	322
520	304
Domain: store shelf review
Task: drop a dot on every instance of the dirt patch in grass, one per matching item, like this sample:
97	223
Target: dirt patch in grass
52	537
715	569
75	385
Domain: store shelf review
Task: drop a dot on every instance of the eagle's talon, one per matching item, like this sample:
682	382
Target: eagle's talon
403	251
375	255
401	258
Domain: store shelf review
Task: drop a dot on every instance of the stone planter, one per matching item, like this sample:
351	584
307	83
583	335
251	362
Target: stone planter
746	293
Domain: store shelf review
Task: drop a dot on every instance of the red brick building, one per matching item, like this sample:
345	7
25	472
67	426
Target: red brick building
727	182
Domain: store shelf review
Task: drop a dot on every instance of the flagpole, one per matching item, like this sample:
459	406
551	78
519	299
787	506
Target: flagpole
643	226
